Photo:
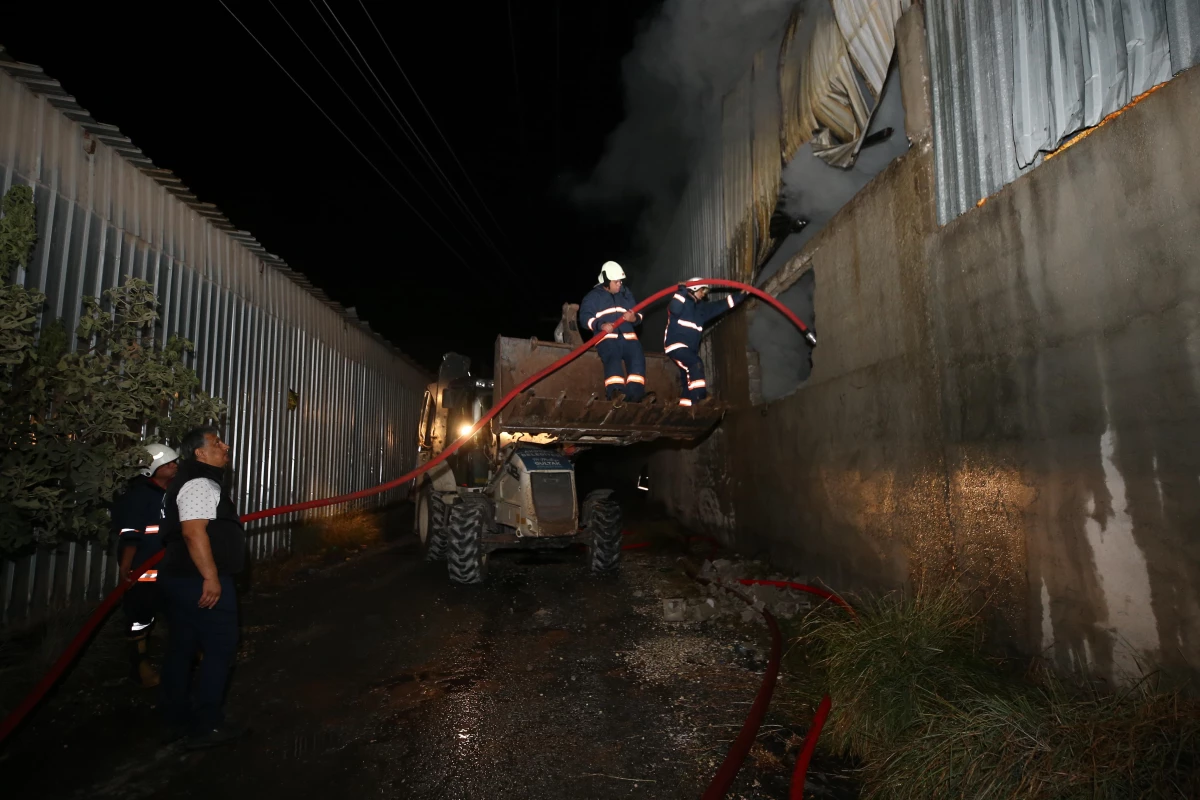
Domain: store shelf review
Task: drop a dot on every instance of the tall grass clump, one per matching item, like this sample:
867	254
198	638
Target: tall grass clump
928	714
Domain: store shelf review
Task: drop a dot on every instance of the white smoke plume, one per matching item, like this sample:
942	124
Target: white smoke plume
682	63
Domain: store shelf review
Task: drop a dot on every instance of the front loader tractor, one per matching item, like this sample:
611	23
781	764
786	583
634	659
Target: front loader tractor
513	484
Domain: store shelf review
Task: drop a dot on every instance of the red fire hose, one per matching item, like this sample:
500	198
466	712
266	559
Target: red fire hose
800	773
10	722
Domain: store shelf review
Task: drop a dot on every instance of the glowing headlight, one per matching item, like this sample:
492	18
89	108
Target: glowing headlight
464	429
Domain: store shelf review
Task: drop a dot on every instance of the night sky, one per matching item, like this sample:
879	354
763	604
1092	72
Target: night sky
201	98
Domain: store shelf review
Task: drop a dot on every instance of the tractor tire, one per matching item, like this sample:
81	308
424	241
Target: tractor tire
465	559
602	519
431	524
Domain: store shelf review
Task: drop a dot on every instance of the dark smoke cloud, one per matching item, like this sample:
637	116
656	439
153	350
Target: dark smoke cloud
683	62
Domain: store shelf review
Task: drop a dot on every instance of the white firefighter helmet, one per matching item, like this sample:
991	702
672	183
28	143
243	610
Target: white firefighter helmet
159	454
698	286
611	271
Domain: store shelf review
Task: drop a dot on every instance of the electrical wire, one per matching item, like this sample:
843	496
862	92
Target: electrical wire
361	113
432	121
350	141
407	128
512	44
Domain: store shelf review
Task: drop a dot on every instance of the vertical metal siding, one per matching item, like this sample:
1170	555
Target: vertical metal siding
259	329
1012	78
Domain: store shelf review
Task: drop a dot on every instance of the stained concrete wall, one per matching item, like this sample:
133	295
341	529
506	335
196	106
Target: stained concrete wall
1016	394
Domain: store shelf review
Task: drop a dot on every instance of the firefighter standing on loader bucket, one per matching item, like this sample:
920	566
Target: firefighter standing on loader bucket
686	316
607	308
137	514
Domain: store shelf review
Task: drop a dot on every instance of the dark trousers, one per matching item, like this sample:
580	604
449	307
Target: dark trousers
624	366
693	385
140	605
211	631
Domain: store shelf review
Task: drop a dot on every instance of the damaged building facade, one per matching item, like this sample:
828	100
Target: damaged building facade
1006	292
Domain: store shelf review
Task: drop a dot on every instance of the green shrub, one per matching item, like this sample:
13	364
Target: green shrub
72	423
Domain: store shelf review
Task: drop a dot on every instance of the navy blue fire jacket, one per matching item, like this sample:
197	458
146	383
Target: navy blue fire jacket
600	306
137	515
686	318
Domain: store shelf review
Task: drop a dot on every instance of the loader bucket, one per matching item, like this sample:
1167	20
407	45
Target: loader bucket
569	405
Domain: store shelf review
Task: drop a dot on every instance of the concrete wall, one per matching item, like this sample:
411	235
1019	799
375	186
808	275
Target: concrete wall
1016	395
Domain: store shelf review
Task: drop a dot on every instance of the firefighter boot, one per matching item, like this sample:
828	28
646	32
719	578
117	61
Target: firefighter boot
141	671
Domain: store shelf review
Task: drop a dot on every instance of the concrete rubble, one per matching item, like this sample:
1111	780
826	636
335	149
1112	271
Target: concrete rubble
783	603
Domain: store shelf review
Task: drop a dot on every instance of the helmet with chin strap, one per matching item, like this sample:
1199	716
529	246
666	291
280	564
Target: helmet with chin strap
160	455
611	271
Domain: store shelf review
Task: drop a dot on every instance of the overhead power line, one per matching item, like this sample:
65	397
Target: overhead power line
345	136
433	121
410	131
361	113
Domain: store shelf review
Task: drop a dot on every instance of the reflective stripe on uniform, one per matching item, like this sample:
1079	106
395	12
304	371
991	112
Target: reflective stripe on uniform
686	372
129	530
683	401
691	325
632	337
611	336
700	384
141	626
148	576
636	379
673	347
615	379
680	297
151	529
729	300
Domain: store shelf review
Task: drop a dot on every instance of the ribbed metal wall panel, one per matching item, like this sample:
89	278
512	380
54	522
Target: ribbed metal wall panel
737	139
1011	79
259	328
767	156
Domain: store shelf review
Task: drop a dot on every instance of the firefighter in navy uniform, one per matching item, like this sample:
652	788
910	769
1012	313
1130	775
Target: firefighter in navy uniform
686	316
607	308
137	515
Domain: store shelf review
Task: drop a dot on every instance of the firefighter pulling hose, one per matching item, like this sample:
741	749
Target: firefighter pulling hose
9	724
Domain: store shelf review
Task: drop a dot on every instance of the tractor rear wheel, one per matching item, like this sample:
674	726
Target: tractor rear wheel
602	520
431	524
465	560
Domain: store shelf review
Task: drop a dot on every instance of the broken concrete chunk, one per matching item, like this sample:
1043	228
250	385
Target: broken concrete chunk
674	609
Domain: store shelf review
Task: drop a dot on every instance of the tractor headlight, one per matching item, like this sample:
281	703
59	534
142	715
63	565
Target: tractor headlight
464	429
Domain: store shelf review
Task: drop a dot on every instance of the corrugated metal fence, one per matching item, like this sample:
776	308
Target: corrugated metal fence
105	212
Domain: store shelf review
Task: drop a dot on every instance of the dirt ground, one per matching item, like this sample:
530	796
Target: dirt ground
378	678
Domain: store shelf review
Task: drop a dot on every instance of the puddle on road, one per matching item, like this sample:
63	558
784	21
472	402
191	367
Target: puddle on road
408	690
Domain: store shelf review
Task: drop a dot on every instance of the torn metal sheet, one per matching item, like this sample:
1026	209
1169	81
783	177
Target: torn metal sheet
1012	79
1076	61
869	28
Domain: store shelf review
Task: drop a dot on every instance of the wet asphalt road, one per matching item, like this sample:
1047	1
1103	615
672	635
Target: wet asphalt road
380	679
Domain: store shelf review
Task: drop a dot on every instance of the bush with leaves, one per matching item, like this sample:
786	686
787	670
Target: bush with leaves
72	423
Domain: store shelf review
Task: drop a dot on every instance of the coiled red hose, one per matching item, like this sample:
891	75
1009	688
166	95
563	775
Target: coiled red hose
10	722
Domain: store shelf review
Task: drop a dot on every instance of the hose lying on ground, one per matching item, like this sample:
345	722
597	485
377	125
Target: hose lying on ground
723	779
800	773
76	645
